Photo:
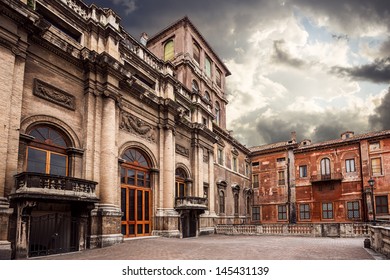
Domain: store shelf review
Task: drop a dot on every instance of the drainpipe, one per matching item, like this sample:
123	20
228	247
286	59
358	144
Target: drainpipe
364	199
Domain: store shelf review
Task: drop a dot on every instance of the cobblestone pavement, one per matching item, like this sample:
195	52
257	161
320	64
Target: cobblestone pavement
223	247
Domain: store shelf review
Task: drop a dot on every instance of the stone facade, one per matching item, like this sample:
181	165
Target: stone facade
106	138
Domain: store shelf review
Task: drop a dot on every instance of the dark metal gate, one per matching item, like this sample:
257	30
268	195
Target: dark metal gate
189	221
53	234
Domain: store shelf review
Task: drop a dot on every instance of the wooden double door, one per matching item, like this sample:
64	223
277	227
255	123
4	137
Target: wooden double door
136	198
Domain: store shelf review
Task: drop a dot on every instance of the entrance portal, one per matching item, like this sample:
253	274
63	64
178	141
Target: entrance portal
136	194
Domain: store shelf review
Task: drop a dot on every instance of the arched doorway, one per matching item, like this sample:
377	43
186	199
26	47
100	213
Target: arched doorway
136	194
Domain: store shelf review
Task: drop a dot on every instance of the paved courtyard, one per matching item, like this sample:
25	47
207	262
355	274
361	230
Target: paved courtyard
222	247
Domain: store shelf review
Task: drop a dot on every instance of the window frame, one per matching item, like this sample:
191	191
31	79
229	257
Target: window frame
304	214
353	209
282	212
169	54
207	66
221	199
195	46
350	165
303	171
217	113
220	156
327	211
281	178
380	206
375	168
256	214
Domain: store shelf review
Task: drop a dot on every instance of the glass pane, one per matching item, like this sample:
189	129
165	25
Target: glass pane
40	133
123	229
36	161
147	180
146	205
131	202
139	206
58	164
131	230
181	189
123	203
131	177
140	178
146	228
123	176
139	229
56	138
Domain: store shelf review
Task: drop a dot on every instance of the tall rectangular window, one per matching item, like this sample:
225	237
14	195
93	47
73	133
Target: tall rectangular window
282	212
350	165
256	181
235	164
376	166
304	211
256	213
353	209
303	171
281	179
207	67
218	78
220	156
196	52
382	204
327	210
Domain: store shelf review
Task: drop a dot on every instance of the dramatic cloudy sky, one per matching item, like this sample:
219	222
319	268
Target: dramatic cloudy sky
315	67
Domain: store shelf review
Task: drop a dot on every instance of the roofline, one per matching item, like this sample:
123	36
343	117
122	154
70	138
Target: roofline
185	19
342	142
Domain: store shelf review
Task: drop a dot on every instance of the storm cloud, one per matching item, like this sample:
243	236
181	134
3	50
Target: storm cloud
315	67
377	71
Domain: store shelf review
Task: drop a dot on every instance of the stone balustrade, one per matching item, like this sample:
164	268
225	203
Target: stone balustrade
313	230
380	239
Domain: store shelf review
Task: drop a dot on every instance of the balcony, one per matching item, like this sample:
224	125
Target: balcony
336	176
190	203
38	185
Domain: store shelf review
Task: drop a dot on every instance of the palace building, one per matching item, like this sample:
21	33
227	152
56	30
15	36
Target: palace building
106	137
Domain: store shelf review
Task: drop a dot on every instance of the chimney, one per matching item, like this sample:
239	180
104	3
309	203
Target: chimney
293	136
144	38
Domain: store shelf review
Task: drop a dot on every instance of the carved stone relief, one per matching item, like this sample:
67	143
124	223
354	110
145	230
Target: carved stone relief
53	94
182	150
137	126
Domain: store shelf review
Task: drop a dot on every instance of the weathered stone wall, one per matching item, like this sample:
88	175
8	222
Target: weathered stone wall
380	239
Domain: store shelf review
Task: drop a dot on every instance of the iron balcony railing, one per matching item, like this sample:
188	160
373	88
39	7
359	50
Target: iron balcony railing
31	182
191	202
336	176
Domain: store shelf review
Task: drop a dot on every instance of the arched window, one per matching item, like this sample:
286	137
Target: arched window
135	193
221	201
217	113
207	96
196	52
181	186
325	168
47	152
169	50
195	86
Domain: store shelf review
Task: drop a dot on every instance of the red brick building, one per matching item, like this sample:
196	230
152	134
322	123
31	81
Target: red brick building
325	182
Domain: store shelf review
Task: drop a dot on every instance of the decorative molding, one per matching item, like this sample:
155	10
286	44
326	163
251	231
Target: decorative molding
235	152
54	95
205	156
181	150
137	126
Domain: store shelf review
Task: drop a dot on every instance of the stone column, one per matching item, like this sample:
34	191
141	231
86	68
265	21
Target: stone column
106	218
12	68
212	185
169	169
